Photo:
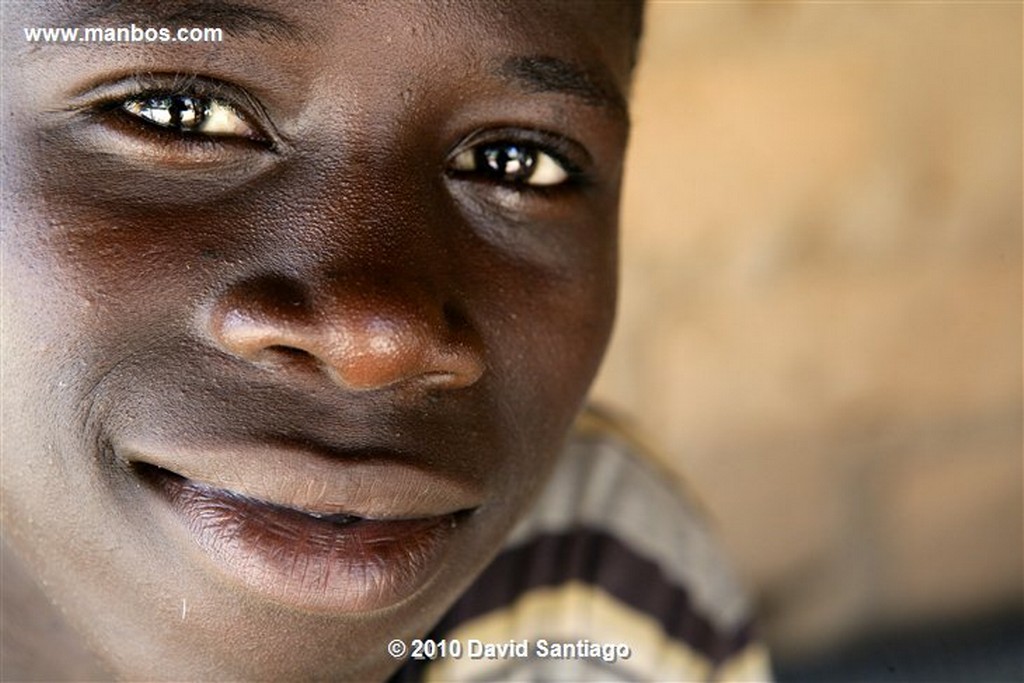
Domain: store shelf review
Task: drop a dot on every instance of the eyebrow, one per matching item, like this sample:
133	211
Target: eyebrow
235	18
551	74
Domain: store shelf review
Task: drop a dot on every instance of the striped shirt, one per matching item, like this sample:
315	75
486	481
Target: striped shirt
612	576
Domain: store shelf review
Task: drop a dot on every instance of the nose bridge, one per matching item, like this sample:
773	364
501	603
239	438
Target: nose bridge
376	205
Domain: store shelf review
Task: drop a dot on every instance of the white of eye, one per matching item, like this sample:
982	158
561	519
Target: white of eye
214	118
547	171
221	119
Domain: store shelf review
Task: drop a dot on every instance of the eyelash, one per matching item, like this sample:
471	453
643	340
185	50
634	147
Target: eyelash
137	92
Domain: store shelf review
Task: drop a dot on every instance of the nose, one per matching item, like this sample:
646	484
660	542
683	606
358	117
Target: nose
363	335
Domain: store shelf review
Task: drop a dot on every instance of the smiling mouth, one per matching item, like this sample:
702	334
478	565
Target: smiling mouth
308	558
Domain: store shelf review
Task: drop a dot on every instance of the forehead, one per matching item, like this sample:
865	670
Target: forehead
600	31
331	50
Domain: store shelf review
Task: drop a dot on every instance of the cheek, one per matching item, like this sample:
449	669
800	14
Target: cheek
559	316
547	334
85	288
43	312
53	488
79	292
93	284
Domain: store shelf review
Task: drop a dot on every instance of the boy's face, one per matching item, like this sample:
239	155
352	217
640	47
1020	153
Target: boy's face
358	259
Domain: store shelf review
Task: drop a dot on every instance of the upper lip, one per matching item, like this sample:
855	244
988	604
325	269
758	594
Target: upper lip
368	483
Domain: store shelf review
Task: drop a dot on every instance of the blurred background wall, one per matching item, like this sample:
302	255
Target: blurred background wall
820	320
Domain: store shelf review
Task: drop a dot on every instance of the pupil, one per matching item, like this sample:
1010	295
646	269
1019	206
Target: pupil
176	111
508	162
187	112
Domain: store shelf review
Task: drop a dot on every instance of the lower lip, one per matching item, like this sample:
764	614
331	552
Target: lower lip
304	561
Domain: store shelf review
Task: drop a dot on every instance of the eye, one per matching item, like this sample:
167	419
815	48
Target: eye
190	114
511	163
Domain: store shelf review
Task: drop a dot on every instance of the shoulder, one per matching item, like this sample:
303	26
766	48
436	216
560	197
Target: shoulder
614	552
611	493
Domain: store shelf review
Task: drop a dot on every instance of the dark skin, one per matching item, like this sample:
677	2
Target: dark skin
345	268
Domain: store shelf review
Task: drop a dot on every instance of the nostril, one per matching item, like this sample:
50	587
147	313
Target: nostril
288	351
287	355
453	316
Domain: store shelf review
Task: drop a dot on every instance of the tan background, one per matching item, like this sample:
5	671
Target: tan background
821	311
